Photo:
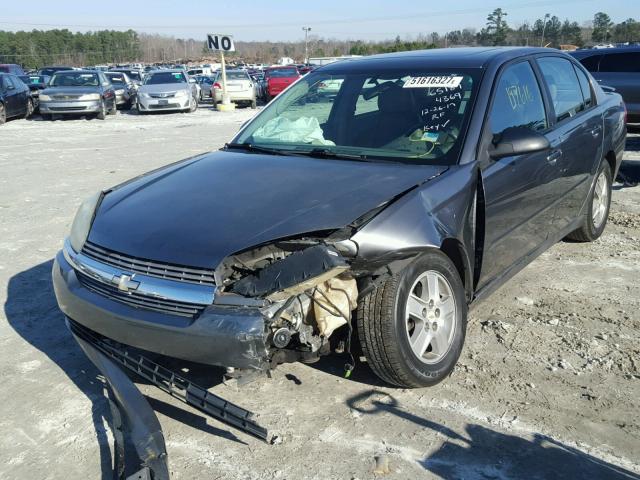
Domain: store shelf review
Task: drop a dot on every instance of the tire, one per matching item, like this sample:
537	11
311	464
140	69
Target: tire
102	114
140	110
384	326
594	222
46	116
194	105
3	114
114	109
254	104
29	111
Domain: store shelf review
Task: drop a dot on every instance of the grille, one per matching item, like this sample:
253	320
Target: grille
64	109
66	97
201	276
162	95
137	300
167	105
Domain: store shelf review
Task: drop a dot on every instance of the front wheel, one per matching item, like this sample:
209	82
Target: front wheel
594	219
194	105
412	326
102	114
29	110
3	114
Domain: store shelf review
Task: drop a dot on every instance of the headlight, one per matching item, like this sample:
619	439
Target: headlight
89	96
145	95
82	221
45	98
181	93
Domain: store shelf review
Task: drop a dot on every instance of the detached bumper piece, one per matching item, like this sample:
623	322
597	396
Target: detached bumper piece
145	429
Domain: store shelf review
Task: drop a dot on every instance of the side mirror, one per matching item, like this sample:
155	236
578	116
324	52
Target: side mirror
517	141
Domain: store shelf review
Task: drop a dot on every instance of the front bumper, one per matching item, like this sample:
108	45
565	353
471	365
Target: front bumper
92	106
162	104
220	335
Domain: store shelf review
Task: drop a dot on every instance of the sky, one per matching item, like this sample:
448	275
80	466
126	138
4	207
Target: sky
283	19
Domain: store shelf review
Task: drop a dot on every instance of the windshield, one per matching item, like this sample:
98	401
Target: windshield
75	79
116	79
282	73
165	77
409	115
231	75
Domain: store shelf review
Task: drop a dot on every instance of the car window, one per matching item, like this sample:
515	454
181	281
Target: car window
591	62
621	62
231	75
566	95
165	78
411	114
282	73
585	87
517	101
74	79
8	82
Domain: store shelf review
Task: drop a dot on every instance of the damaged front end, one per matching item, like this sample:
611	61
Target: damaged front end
306	289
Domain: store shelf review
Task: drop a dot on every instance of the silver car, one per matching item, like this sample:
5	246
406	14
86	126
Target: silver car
125	89
168	90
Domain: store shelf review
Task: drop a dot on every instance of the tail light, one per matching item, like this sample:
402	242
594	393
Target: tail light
217	85
322	85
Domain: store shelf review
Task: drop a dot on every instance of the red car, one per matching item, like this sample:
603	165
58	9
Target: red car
278	78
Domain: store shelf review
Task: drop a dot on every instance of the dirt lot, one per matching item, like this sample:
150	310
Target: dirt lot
548	384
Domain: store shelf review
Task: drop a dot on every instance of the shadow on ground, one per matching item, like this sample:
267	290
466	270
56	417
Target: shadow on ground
32	311
482	453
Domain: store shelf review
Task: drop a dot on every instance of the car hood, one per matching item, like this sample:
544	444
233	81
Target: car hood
163	87
70	90
201	210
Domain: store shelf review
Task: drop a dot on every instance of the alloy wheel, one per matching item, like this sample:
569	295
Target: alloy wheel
600	200
430	317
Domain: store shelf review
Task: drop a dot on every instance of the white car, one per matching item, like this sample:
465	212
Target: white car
240	88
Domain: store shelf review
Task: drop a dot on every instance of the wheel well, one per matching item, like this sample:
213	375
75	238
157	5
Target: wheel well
453	249
610	157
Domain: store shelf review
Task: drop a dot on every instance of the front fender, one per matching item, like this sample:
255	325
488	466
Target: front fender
440	212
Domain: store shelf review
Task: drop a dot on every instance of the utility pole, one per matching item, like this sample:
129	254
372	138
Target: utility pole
306	43
544	26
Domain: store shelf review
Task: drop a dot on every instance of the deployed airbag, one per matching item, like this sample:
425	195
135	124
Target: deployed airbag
304	130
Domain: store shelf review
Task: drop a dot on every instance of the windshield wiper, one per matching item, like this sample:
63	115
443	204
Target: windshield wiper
327	153
254	148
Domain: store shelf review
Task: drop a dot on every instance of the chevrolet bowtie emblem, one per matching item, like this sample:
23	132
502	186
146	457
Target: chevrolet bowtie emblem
124	283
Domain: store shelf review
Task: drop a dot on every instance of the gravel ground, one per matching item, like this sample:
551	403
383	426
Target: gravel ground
548	385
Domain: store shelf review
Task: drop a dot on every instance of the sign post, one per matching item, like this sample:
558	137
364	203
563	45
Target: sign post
222	43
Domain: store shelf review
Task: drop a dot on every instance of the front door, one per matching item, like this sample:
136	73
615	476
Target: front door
520	191
580	132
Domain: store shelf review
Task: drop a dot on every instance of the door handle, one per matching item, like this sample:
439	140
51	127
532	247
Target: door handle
553	157
595	131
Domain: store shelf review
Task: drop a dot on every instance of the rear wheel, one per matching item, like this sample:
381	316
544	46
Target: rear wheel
412	327
3	114
29	110
114	108
598	203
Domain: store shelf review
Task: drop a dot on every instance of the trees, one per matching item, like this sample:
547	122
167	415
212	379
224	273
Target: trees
627	31
496	30
602	26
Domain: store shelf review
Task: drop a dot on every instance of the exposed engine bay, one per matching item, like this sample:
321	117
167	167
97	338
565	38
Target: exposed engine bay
304	289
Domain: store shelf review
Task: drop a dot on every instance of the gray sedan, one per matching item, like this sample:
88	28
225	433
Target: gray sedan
78	92
125	89
168	90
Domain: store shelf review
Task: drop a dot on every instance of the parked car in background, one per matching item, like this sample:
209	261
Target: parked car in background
205	82
278	78
49	71
431	180
328	89
135	75
78	92
240	88
167	90
11	68
36	83
15	98
618	68
126	92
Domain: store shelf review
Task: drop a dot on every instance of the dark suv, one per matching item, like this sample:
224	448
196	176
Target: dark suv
618	68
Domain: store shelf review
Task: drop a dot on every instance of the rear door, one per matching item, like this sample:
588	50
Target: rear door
580	129
11	96
520	191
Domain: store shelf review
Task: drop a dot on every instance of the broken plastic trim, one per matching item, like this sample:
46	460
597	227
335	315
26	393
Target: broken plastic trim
174	384
146	433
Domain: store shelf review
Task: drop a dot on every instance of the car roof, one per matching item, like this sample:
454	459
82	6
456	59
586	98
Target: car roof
464	57
589	52
169	70
78	71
